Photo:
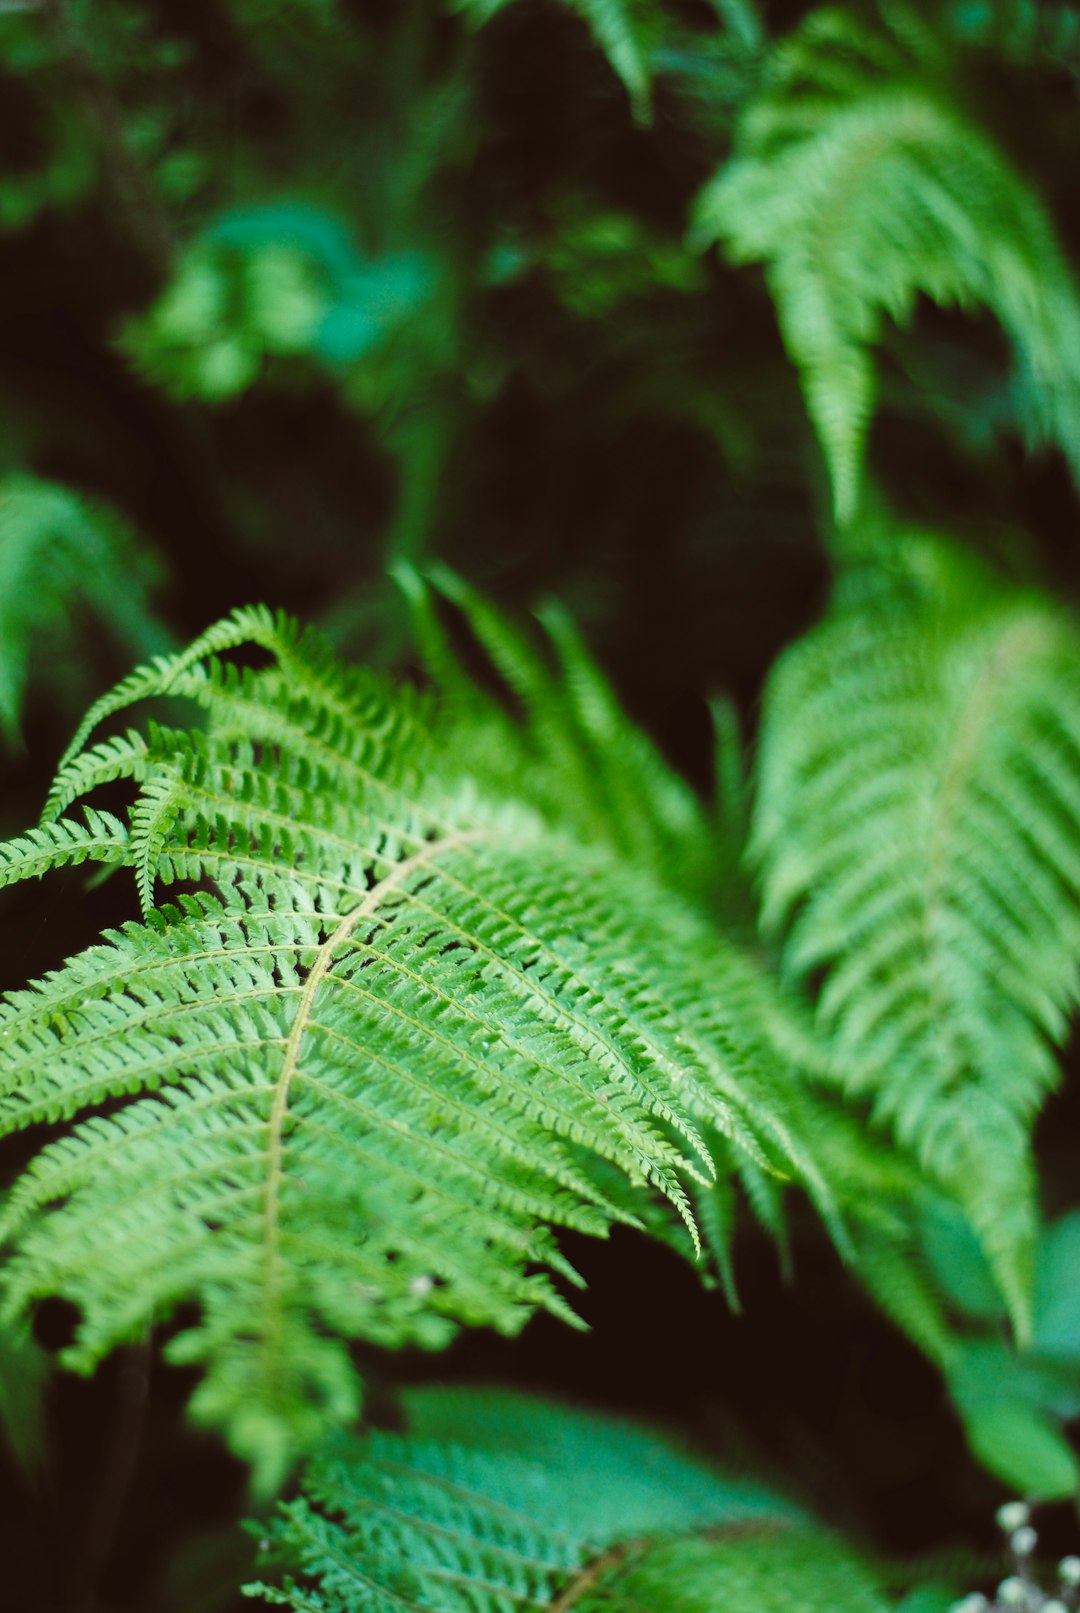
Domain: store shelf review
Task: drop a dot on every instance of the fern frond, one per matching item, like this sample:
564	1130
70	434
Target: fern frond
361	1081
858	184
58	553
600	773
918	835
494	1501
623	29
23	1384
1026	31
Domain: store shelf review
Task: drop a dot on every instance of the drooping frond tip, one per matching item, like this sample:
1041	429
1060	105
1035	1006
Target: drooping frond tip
859	184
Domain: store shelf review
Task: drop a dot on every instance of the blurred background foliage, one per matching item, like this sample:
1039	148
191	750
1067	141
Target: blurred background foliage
298	289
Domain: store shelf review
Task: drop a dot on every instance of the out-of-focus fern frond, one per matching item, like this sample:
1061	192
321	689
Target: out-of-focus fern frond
860	184
494	1501
623	29
598	770
60	554
1028	31
23	1377
918	834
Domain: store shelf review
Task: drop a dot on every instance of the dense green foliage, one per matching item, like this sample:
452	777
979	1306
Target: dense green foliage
423	961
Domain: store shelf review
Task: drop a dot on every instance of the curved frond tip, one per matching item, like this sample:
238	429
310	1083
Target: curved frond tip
859	184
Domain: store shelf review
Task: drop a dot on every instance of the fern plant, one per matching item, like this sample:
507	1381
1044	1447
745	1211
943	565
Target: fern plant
427	979
436	982
382	1037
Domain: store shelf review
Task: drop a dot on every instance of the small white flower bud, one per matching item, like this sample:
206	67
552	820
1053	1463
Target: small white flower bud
1069	1569
1012	1592
1013	1515
1023	1541
976	1603
1054	1606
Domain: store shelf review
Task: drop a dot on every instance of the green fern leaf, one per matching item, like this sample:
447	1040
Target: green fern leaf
367	1067
1025	31
601	775
859	185
58	553
99	838
24	1377
918	834
493	1501
623	29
